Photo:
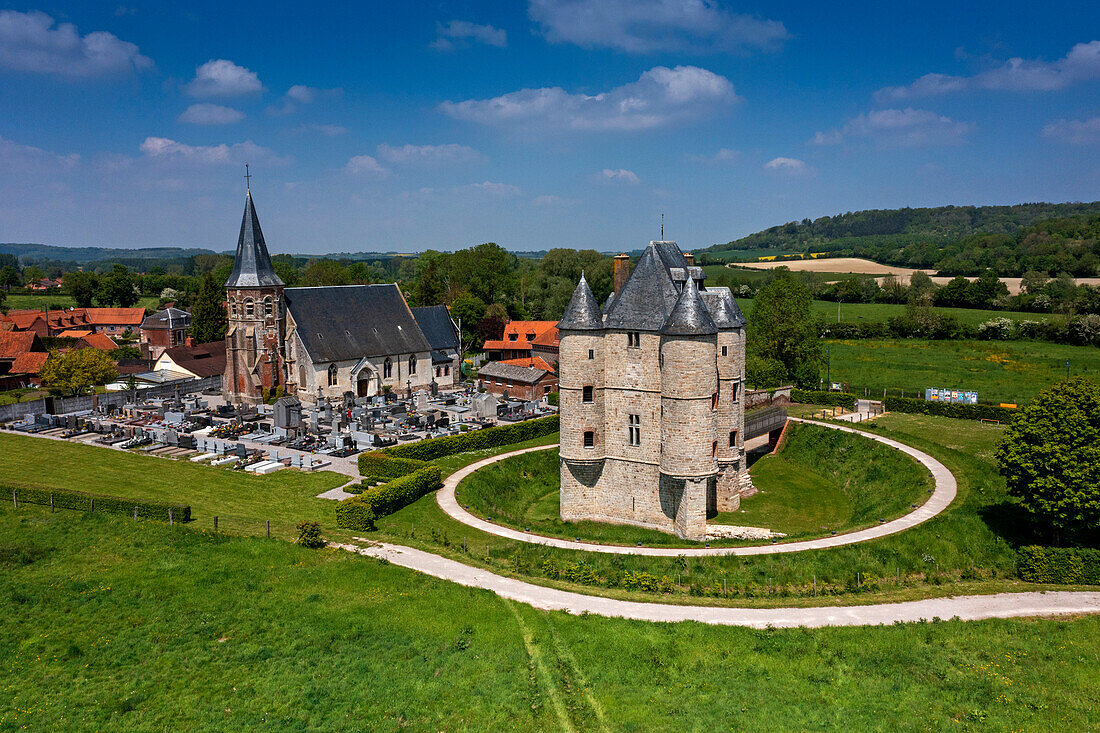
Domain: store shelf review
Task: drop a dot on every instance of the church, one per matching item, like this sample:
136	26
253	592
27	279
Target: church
330	341
652	398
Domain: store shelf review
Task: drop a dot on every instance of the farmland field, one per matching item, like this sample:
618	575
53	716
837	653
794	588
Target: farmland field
880	312
29	301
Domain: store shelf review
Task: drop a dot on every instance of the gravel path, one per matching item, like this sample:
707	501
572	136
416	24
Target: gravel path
966	608
942	496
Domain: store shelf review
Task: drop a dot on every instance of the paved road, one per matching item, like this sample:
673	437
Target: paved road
942	496
966	608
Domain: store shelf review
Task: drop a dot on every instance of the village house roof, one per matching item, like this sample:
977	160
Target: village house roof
100	341
29	362
252	265
167	319
534	362
348	322
520	334
436	325
202	360
512	372
15	343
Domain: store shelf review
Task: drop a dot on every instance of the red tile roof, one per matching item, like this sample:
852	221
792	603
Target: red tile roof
15	343
549	337
29	362
74	333
115	316
99	341
533	362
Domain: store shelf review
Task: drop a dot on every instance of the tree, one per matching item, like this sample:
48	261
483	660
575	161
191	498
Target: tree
9	276
82	286
430	286
77	370
782	328
1050	458
208	318
325	272
469	310
119	288
33	274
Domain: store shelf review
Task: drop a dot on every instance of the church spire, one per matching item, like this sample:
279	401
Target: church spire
252	265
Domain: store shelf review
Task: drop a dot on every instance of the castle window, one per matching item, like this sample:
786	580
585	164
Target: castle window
714	449
412	364
736	388
733	439
714	401
268	309
387	368
634	340
635	430
591	354
723	351
589	439
249	307
586	394
332	374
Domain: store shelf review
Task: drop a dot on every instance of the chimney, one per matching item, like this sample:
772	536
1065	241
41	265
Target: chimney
622	271
690	258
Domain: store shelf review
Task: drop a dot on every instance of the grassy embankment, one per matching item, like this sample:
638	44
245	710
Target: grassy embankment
116	625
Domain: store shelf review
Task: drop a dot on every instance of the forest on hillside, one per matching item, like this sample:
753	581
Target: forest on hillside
956	240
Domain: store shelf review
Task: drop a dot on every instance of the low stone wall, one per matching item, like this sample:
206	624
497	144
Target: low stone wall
767	397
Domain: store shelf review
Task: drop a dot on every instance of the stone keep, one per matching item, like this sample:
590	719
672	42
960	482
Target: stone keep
651	398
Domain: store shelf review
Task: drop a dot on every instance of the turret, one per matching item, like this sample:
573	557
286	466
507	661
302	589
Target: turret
580	377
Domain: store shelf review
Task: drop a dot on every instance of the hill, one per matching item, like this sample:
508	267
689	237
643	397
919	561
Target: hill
1011	240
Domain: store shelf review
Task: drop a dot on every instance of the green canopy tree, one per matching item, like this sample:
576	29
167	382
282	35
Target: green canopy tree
82	286
1050	458
782	329
118	288
76	371
208	317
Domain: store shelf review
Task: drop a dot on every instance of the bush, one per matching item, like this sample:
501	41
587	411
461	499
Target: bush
383	465
361	512
65	499
309	535
948	409
819	397
429	450
552	399
1059	565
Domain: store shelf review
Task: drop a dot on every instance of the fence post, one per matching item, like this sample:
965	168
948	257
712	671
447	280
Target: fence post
14	499
91	507
51	503
215	523
135	513
269	529
170	522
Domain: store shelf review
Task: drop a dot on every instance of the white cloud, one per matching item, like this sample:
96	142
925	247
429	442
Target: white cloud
27	158
222	78
429	154
366	165
164	149
327	130
552	200
29	42
1075	132
492	188
300	94
464	32
661	97
724	155
205	113
618	175
1019	75
648	26
787	166
898	128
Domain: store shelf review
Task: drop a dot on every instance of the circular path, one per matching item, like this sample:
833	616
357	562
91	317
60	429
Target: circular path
942	496
966	608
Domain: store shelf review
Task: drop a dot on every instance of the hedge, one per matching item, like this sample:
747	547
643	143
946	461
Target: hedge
429	450
948	409
360	512
383	465
81	501
1059	565
820	397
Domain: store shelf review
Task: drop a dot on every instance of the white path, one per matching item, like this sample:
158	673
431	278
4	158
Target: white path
944	493
966	608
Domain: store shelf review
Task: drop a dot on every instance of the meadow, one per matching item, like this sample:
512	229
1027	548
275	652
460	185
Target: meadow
38	301
118	625
882	312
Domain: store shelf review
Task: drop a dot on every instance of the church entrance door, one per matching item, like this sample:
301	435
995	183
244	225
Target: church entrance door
362	386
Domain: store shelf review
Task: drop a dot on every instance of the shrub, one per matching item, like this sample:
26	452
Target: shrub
383	465
361	512
309	535
819	397
1059	565
996	328
948	409
552	399
65	499
428	450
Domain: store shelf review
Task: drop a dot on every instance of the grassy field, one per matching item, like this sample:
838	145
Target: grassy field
115	625
242	502
1000	371
823	480
21	301
881	312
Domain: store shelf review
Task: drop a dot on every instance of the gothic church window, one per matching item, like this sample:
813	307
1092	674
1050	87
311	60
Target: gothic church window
412	365
267	306
249	307
387	368
332	375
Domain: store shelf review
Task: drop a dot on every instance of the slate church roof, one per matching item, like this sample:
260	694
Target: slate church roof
252	265
348	322
436	324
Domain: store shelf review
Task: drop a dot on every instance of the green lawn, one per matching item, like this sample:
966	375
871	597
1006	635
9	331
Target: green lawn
242	502
116	625
27	301
880	312
793	499
1000	371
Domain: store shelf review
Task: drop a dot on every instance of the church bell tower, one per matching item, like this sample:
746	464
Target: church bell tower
257	318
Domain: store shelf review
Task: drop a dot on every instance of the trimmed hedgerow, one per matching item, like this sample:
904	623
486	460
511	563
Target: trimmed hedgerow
1059	565
81	501
361	512
948	409
820	397
429	450
383	465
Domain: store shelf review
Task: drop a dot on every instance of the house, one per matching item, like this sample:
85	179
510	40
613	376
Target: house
517	340
111	321
163	330
197	360
22	355
44	284
545	347
525	379
442	333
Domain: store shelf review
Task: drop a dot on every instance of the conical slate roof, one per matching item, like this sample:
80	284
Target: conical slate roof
252	265
646	299
723	308
690	316
583	312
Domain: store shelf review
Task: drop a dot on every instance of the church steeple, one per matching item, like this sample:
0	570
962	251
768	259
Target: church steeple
252	265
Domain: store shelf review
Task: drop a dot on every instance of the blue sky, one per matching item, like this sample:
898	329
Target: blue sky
406	126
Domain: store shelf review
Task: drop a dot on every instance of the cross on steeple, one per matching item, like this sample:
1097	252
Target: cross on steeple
247	178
